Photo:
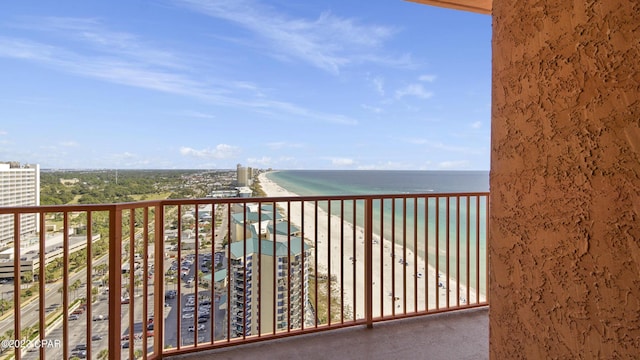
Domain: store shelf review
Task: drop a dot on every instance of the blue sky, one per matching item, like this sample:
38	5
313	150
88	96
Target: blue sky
209	84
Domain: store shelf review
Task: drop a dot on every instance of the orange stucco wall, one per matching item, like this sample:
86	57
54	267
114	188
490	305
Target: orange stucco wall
565	180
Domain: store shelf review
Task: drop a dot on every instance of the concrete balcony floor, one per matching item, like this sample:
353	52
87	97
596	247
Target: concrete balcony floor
457	335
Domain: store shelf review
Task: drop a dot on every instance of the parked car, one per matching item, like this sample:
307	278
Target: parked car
201	327
74	317
171	294
80	354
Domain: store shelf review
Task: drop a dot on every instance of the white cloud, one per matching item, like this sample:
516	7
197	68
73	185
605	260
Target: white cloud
342	161
416	90
126	155
221	151
373	109
378	84
389	165
133	72
427	78
2	133
92	32
451	165
69	144
276	145
476	125
123	71
328	42
263	161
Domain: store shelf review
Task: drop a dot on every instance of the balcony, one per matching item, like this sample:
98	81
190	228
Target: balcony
373	267
456	335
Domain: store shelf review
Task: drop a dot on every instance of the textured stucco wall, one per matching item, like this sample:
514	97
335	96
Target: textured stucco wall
565	180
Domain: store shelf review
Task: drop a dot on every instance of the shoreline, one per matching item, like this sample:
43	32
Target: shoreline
340	235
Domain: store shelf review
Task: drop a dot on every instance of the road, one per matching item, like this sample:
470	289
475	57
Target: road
77	328
30	312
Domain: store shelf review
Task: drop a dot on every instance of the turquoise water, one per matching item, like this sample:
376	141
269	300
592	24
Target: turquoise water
409	222
358	182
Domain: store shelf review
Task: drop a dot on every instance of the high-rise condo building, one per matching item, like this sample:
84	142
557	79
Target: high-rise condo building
243	176
19	186
269	272
268	292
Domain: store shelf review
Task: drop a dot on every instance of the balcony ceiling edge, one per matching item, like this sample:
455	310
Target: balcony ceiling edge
477	6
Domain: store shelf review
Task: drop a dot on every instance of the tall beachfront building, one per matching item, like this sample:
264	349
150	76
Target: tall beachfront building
242	176
269	272
269	285
19	186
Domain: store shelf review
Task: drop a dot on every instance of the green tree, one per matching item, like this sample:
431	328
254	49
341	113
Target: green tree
101	269
49	275
61	292
94	294
74	287
5	305
27	277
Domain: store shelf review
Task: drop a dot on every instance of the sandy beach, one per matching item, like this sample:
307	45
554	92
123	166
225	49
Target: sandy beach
336	237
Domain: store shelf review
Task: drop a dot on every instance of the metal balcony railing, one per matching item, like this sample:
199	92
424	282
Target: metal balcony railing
127	280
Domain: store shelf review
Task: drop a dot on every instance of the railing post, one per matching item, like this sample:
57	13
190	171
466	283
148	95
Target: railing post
158	282
115	274
65	285
368	261
486	246
17	303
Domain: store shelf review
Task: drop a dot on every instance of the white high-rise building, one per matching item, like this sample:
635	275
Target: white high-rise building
19	186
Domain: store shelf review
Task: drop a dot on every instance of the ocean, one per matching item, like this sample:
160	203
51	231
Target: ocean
358	182
410	222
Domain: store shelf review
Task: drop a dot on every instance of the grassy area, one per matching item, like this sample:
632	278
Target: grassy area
136	197
156	196
323	301
257	190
